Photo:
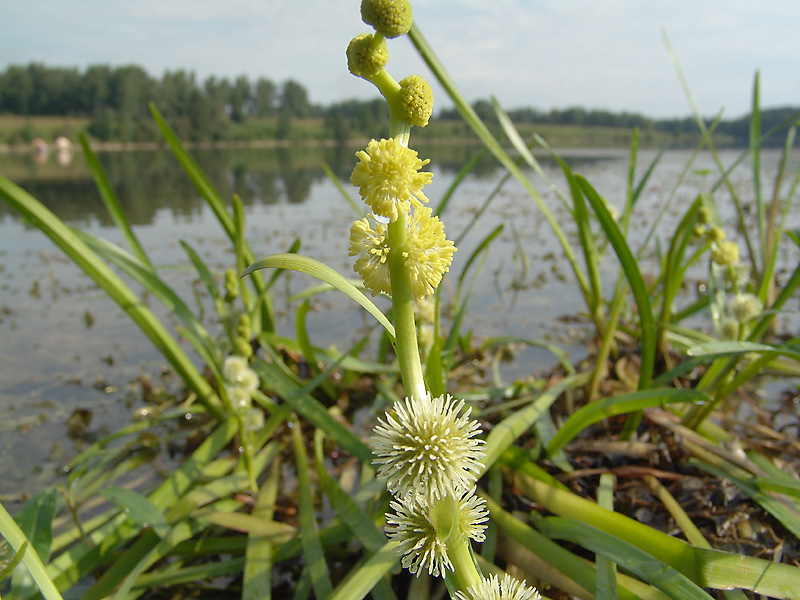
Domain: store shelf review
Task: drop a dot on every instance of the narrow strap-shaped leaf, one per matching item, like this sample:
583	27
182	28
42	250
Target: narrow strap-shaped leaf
359	583
150	280
257	572
300	399
465	170
580	571
137	508
669	580
309	534
785	512
483	133
620	405
357	208
707	568
18	542
635	280
512	427
606	568
304	264
112	202
203	272
347	509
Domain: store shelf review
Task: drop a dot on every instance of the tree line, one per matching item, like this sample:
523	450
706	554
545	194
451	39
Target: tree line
116	99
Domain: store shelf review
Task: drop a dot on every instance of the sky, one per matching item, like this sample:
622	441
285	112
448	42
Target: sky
544	54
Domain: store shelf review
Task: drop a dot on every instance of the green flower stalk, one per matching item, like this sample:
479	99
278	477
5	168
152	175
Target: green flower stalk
426	448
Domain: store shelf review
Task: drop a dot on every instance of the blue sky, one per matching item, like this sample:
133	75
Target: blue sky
541	53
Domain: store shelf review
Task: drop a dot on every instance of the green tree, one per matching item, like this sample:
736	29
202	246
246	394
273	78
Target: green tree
264	98
294	99
16	91
240	99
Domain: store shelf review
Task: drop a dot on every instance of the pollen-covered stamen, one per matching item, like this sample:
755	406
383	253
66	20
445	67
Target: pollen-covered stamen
389	179
428	448
429	253
368	241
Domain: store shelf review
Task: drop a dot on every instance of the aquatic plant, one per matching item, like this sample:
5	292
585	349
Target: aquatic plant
277	493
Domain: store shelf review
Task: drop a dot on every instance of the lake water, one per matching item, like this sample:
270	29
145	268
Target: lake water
64	346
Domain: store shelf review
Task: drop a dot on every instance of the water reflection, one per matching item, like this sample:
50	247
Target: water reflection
149	181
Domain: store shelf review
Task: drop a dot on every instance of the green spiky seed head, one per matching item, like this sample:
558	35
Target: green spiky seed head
242	347
366	57
390	18
231	286
416	96
243	327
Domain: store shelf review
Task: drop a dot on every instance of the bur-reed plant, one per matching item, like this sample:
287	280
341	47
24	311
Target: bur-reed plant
460	510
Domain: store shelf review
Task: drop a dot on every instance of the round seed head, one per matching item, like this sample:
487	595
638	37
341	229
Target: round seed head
390	18
427	448
366	57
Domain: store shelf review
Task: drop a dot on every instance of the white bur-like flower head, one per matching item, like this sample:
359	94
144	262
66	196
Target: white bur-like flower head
423	547
427	448
495	588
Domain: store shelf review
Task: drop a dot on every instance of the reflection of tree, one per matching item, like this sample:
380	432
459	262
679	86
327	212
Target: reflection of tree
297	181
147	182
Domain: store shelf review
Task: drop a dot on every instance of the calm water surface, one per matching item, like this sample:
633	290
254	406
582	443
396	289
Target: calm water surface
65	346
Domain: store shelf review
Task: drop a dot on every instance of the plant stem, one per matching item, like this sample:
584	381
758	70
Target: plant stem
465	574
403	309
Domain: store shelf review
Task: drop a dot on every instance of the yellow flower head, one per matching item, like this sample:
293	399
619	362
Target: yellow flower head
725	254
416	96
429	252
715	234
365	58
390	18
388	177
370	244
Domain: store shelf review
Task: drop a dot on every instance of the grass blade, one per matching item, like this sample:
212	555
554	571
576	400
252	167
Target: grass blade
257	572
606	568
112	202
669	580
635	280
359	583
304	264
312	547
620	405
512	427
18	542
